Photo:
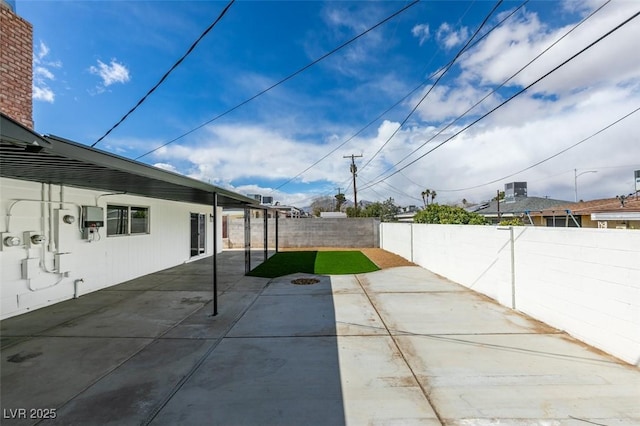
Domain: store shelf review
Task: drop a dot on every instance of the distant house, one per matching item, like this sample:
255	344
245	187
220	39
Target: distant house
516	204
288	211
603	213
407	213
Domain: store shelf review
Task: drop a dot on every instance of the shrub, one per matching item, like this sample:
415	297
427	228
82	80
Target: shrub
442	214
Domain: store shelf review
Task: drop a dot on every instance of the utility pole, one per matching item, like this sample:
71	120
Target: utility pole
354	169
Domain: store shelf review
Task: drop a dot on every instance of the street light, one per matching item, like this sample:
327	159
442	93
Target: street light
575	180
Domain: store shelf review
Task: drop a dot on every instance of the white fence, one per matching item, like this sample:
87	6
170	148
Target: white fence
583	281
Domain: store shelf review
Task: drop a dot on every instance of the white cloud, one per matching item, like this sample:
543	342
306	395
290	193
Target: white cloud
43	94
231	152
525	133
43	74
513	45
42	51
166	166
591	92
449	37
421	31
115	72
445	102
342	22
572	104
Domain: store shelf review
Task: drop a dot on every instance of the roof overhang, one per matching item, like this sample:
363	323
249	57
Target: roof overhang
616	216
28	156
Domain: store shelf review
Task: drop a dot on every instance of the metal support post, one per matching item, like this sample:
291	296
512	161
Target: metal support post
266	235
277	233
215	254
247	240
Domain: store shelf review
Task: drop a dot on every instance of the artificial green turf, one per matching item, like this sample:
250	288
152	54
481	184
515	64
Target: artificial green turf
314	262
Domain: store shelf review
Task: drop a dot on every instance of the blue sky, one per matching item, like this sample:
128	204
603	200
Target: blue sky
93	60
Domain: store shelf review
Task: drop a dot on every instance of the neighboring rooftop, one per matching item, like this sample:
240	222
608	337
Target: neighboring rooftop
630	203
519	205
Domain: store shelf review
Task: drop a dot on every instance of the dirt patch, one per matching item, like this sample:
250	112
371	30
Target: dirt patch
382	258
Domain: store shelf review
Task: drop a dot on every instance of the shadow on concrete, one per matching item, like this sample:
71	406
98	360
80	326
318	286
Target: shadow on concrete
286	263
149	351
278	364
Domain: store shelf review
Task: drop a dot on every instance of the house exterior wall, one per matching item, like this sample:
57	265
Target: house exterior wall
308	232
103	263
586	222
16	76
611	224
583	281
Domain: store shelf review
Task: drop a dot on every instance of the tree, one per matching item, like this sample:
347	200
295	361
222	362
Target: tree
433	195
501	193
322	204
386	211
389	211
442	214
372	210
340	200
425	196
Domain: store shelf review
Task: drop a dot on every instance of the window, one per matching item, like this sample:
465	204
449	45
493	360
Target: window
139	220
127	220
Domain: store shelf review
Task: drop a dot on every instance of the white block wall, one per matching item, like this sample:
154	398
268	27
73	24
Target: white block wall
396	238
583	281
103	263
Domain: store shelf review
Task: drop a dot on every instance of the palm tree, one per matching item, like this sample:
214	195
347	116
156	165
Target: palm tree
433	195
425	196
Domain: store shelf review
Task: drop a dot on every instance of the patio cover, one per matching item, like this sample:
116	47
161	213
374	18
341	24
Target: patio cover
50	159
27	155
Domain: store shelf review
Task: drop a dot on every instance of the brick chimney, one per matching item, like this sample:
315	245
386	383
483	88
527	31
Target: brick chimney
16	65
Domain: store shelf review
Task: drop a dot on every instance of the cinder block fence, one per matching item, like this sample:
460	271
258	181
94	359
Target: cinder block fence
306	232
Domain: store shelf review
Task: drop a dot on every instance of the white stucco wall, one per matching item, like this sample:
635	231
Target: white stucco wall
583	281
103	263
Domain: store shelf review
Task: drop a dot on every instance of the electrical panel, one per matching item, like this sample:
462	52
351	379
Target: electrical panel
92	217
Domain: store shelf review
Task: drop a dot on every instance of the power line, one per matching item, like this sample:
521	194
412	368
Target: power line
548	158
399	191
494	90
635	15
164	77
289	77
513	12
442	74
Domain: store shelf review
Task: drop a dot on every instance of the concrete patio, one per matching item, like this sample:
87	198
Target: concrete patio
397	346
